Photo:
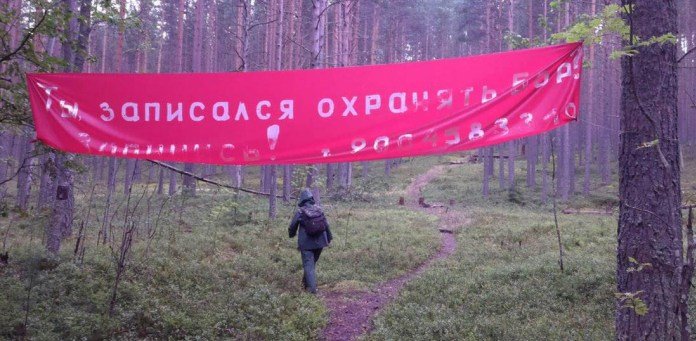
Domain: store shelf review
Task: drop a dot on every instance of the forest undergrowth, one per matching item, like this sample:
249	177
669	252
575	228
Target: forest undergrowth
213	266
504	282
205	267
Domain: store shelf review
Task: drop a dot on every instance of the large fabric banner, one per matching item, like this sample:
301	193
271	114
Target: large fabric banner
311	116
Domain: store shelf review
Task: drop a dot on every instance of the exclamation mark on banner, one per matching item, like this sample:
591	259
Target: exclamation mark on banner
272	134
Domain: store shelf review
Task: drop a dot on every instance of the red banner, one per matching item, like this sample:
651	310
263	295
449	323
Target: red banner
311	116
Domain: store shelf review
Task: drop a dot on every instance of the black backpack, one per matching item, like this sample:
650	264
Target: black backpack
313	220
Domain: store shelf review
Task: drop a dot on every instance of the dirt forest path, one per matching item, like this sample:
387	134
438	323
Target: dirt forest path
351	313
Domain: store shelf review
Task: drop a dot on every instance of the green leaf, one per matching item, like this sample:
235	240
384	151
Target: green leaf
649	144
640	307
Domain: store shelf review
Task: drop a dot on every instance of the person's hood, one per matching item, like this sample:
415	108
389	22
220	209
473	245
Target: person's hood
305	195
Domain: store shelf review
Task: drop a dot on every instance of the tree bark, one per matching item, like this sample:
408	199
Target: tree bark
605	121
650	225
273	176
84	30
531	143
189	183
589	114
512	144
317	57
45	184
60	222
287	182
24	176
546	136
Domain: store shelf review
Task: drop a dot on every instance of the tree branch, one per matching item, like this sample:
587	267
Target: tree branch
19	169
686	54
25	40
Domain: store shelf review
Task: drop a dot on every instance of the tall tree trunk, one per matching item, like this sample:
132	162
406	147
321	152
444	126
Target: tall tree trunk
566	166
605	122
60	222
287	182
45	196
487	153
128	173
113	162
189	182
372	59
546	136
501	167
179	67
273	190
650	225
531	143
329	176
160	181
102	60
97	169
24	176
273	176
512	145
110	189
121	33
83	31
162	171
545	144
346	41
317	58
54	234
241	47
128	176
564	163
589	114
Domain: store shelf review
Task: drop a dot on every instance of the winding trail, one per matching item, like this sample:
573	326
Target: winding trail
351	313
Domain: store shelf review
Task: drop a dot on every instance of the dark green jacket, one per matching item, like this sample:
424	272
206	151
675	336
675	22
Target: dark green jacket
305	241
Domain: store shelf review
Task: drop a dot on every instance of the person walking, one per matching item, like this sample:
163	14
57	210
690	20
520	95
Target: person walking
313	235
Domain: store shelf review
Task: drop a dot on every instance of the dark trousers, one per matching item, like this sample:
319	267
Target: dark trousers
309	262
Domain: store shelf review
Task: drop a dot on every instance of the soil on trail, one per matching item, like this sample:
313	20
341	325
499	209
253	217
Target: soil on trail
351	313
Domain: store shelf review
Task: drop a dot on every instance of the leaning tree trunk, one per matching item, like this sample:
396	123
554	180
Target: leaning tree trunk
650	226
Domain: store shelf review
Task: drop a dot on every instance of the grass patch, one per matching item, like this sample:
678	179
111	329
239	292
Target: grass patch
504	282
215	267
